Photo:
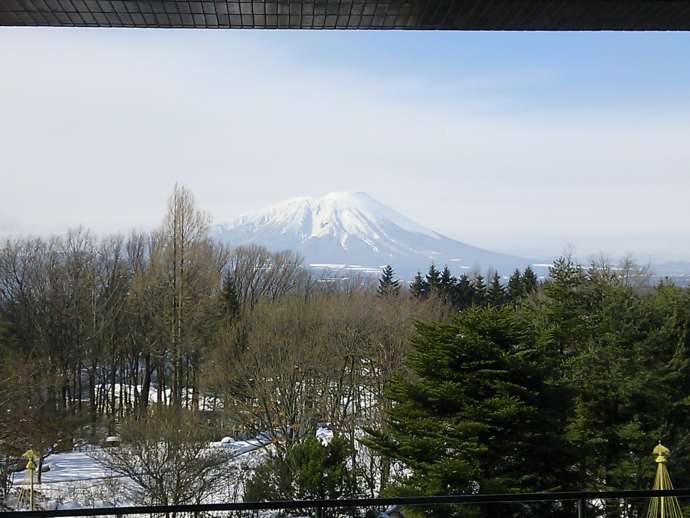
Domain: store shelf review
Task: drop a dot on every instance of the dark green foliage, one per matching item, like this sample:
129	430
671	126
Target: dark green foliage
478	290
433	279
516	288
570	391
530	281
230	298
389	286
419	288
627	355
479	411
309	470
568	304
495	294
446	286
464	293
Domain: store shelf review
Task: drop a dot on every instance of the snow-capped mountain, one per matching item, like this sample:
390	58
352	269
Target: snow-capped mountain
354	231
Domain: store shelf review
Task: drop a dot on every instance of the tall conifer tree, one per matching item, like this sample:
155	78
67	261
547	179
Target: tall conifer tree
495	294
516	288
464	292
478	290
433	279
231	300
447	285
419	287
479	414
530	281
389	286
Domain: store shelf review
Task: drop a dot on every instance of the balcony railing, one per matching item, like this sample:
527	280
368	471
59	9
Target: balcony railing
581	504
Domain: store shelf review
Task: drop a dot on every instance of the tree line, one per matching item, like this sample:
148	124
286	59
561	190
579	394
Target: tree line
446	385
470	290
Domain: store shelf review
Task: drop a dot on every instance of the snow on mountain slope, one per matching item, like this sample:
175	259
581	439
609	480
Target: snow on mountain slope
352	230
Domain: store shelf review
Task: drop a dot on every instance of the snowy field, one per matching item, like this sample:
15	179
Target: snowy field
76	479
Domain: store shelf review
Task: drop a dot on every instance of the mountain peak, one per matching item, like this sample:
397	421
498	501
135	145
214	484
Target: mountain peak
349	196
353	228
342	212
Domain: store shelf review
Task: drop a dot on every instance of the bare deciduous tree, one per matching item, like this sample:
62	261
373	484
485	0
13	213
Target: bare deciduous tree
168	456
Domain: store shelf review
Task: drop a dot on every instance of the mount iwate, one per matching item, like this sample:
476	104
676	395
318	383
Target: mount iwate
351	230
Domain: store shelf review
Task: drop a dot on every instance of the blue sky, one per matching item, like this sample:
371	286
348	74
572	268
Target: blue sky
520	142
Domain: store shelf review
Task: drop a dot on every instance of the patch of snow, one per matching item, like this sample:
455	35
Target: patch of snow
324	435
76	479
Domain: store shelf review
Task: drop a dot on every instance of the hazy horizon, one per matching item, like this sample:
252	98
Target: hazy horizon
520	143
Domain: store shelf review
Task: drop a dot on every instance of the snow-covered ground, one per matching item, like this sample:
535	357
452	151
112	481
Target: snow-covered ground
76	479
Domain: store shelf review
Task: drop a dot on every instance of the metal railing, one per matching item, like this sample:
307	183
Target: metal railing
319	507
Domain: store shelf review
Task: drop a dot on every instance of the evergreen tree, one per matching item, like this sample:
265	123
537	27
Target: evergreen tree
464	293
478	290
529	281
230	297
624	361
567	304
433	279
516	288
389	286
480	412
419	288
495	295
309	470
447	285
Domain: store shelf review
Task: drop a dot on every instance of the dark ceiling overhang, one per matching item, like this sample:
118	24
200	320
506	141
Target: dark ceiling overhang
352	14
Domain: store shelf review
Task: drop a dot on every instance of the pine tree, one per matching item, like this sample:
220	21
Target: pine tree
529	281
621	352
463	293
566	304
433	279
389	286
516	288
447	285
480	412
419	287
495	295
309	470
230	297
478	290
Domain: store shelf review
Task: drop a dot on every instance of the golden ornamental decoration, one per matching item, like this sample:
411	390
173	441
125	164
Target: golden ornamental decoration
663	506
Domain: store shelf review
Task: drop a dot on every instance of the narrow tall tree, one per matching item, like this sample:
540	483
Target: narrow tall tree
185	228
433	279
529	281
463	293
495	294
516	288
478	290
230	298
389	286
419	288
446	285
